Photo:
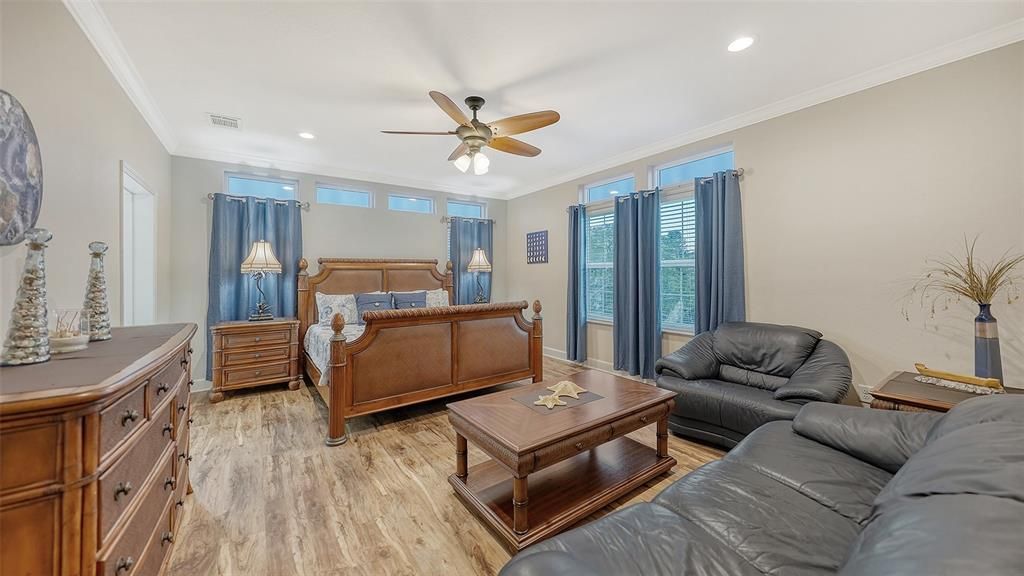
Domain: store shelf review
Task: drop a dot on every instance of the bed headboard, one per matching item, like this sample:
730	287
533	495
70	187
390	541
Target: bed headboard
358	275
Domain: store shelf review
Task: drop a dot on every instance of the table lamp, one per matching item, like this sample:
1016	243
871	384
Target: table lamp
260	262
478	263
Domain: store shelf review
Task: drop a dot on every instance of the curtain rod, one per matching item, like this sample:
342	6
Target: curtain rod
303	205
448	219
738	171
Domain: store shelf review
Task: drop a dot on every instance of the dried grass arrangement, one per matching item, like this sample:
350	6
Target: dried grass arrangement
949	279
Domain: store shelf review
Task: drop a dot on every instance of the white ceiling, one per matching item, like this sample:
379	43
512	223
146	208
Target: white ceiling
628	78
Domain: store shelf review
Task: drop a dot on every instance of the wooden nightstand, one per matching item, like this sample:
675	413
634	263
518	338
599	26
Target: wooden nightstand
248	354
899	391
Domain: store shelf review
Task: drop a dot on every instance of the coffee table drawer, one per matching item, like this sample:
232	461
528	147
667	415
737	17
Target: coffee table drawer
570	447
639	420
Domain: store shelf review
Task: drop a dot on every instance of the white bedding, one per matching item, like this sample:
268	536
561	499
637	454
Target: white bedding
318	345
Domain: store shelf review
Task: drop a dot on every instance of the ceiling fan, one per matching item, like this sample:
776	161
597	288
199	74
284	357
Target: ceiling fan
475	134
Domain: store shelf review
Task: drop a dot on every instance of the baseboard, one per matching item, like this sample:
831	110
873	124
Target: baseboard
592	363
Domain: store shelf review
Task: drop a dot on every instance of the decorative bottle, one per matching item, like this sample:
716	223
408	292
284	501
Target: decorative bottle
96	295
28	338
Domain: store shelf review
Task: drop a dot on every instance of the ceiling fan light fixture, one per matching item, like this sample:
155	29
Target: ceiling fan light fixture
480	164
462	162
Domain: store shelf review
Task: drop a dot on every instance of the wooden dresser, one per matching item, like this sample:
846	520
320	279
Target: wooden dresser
247	354
94	456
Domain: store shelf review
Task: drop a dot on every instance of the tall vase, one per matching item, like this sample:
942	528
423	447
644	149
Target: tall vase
96	295
987	363
28	336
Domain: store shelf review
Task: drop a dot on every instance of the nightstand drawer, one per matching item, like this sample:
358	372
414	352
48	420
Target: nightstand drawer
244	376
260	338
241	357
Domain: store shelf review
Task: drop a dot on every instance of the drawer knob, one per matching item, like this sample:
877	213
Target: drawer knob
258	338
179	503
166	537
190	421
124	564
122	489
184	362
163	387
169	483
579	445
130	415
168	429
643	419
258	372
182	408
258	355
191	382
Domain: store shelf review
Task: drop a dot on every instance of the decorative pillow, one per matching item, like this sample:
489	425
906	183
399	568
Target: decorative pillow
437	298
410	299
372	301
329	304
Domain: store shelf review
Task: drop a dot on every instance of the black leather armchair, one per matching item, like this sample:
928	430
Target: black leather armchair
745	374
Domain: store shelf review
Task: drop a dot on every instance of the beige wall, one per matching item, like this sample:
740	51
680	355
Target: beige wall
842	202
86	126
327	231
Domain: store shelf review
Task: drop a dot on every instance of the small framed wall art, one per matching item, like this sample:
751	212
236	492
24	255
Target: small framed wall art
537	247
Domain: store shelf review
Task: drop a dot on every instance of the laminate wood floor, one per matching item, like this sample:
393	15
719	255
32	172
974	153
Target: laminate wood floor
270	499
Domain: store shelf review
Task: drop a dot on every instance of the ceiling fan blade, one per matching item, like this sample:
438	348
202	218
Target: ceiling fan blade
513	146
449	107
523	123
461	149
449	133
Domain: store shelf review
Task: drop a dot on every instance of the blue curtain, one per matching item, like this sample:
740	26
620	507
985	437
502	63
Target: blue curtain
719	261
237	223
468	234
576	299
637	318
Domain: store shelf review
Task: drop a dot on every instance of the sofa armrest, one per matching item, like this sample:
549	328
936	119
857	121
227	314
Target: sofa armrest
883	438
546	563
824	377
694	361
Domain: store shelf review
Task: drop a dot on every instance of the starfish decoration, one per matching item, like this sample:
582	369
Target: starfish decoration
550	401
567	388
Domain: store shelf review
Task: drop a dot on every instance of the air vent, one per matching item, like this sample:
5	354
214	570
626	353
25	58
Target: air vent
223	121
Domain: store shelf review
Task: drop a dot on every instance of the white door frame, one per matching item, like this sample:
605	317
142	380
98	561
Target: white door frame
131	182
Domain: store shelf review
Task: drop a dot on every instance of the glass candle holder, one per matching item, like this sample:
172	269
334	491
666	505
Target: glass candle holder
69	330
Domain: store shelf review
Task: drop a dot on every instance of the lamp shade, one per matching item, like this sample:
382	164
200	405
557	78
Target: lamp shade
479	263
261	259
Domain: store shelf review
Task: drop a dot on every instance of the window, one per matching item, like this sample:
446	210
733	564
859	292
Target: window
404	203
465	209
685	172
599	192
678	286
262	187
339	196
599	263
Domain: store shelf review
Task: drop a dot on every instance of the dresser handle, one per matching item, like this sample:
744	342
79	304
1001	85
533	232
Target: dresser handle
257	339
169	483
163	387
130	415
184	361
258	355
258	372
579	445
185	457
643	419
191	382
179	503
166	537
168	429
190	421
124	564
122	488
182	408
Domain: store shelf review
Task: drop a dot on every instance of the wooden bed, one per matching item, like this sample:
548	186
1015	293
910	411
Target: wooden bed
412	355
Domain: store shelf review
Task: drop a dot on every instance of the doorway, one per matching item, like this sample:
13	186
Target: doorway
138	250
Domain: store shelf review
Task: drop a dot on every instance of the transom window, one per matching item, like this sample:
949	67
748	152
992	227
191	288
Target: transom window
262	186
404	203
341	197
465	209
686	172
600	258
604	191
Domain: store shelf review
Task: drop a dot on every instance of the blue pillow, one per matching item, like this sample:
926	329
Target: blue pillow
368	302
410	299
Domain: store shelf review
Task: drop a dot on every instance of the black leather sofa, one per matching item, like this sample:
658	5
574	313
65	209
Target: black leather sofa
840	489
744	374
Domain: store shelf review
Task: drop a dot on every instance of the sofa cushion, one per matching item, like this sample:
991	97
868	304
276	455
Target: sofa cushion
775	528
765	348
640	539
833	479
751	378
726	404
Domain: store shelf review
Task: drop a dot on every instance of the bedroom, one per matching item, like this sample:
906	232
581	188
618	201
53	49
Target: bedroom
856	163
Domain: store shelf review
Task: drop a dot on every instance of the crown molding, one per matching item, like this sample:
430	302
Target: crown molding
93	22
958	50
265	163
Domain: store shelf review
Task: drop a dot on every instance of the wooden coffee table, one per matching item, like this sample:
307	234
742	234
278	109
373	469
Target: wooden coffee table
575	458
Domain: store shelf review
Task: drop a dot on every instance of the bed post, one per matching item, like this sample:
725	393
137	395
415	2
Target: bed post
302	310
449	282
338	384
537	345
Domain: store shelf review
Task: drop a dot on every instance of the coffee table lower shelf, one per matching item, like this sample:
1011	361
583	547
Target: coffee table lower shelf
562	494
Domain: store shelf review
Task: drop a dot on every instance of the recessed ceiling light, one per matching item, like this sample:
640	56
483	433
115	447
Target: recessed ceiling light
306	135
741	43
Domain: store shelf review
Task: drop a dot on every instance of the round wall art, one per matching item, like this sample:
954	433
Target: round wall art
21	172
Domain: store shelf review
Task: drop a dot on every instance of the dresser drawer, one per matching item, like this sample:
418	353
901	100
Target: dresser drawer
260	356
120	419
122	558
181	405
120	485
184	457
235	377
261	338
31	455
161	386
569	447
180	487
159	546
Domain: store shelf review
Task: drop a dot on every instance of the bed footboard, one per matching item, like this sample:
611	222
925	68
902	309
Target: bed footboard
413	355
